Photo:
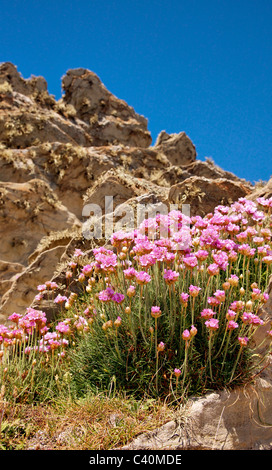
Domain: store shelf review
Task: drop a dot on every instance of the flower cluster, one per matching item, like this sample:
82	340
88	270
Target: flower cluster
173	285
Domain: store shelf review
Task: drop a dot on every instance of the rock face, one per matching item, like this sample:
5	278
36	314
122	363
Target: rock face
178	148
264	190
56	157
205	194
110	120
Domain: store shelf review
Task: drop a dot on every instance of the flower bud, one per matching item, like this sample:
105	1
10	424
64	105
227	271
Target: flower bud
226	285
249	306
177	372
160	347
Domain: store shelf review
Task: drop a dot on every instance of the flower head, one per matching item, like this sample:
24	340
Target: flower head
186	335
161	347
131	291
118	298
177	372
212	324
170	276
243	341
184	297
155	312
207	313
194	290
142	277
213	269
232	325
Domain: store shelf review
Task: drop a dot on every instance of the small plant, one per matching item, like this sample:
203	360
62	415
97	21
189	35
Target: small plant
170	311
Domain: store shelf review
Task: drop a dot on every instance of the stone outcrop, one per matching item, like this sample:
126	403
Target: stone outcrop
178	148
262	190
205	194
110	120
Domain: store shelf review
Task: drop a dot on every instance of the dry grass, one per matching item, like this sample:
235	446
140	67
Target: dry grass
96	423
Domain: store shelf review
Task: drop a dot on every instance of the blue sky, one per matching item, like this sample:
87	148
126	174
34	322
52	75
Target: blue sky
199	66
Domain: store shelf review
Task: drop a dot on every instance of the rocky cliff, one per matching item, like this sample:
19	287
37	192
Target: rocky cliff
57	156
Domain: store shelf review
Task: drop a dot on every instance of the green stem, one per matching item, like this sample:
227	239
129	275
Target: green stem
185	363
210	355
225	351
157	371
236	362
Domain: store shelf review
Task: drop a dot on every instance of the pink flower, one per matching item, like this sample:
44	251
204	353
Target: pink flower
60	299
105	259
177	372
220	295
129	273
243	341
230	315
63	328
14	317
161	346
237	305
142	277
207	313
81	323
232	325
87	269
146	260
73	264
250	318
213	269
246	318
194	290
155	312
170	276
246	250
190	262
118	298
118	322
41	287
106	295
52	285
39	297
255	320
213	301
221	259
184	297
186	335
212	324
193	331
202	255
131	291
78	252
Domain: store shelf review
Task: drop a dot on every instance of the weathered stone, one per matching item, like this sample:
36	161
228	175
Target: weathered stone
178	148
204	194
109	118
